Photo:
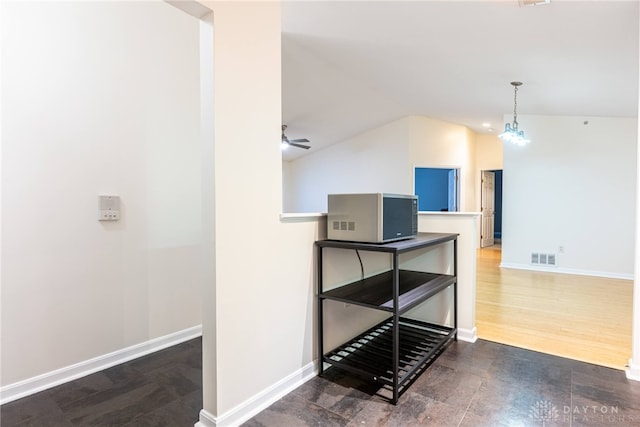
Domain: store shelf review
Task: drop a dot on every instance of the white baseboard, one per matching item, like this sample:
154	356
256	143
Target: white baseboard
633	370
469	335
51	379
561	270
258	402
206	419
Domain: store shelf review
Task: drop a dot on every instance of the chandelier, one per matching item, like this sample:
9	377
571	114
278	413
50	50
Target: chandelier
511	132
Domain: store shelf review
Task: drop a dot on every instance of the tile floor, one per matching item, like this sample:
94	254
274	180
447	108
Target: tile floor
475	385
162	389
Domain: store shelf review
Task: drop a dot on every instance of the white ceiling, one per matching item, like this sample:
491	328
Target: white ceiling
349	66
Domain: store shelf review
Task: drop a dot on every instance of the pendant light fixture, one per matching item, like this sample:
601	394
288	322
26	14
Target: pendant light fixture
511	132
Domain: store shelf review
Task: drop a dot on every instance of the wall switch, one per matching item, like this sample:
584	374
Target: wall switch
108	208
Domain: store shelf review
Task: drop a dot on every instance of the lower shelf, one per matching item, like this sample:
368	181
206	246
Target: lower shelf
370	354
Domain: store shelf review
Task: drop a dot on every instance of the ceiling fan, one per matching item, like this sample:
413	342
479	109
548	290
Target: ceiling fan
293	142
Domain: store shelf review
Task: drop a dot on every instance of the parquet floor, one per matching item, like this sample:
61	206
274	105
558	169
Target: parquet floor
578	317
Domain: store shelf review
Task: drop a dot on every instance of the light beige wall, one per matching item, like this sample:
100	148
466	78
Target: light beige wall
434	143
259	324
89	110
488	152
260	327
467	226
396	148
371	162
489	149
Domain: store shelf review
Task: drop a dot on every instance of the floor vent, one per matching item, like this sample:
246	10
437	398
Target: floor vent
543	259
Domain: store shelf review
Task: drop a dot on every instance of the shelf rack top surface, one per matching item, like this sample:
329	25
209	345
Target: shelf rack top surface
422	240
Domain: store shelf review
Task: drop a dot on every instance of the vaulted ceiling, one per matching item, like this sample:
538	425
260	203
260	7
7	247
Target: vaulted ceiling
349	66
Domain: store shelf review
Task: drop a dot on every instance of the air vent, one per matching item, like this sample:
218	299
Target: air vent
543	259
344	225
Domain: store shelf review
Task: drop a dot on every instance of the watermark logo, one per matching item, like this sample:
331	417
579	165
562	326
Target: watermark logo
544	411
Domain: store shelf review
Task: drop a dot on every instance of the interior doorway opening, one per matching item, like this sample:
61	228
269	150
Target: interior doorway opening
437	189
491	208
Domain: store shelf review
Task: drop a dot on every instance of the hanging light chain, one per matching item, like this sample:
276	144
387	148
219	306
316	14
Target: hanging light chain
515	104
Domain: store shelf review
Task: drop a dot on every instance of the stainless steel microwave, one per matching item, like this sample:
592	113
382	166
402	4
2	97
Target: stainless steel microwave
372	217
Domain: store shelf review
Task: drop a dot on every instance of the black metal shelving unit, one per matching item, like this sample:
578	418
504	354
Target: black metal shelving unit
396	351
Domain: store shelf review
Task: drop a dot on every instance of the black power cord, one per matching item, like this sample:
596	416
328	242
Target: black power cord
361	267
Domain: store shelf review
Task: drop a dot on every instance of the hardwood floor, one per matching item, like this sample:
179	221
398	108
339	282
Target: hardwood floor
578	317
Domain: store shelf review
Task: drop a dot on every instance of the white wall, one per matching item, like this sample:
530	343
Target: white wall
374	161
382	160
572	186
98	98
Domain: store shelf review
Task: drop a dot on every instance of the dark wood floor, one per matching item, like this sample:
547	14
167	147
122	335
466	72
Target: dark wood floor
477	385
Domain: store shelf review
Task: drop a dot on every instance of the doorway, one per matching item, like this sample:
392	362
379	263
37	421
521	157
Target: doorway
491	208
437	189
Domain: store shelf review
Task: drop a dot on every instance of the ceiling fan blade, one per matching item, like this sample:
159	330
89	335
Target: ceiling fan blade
306	147
299	140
